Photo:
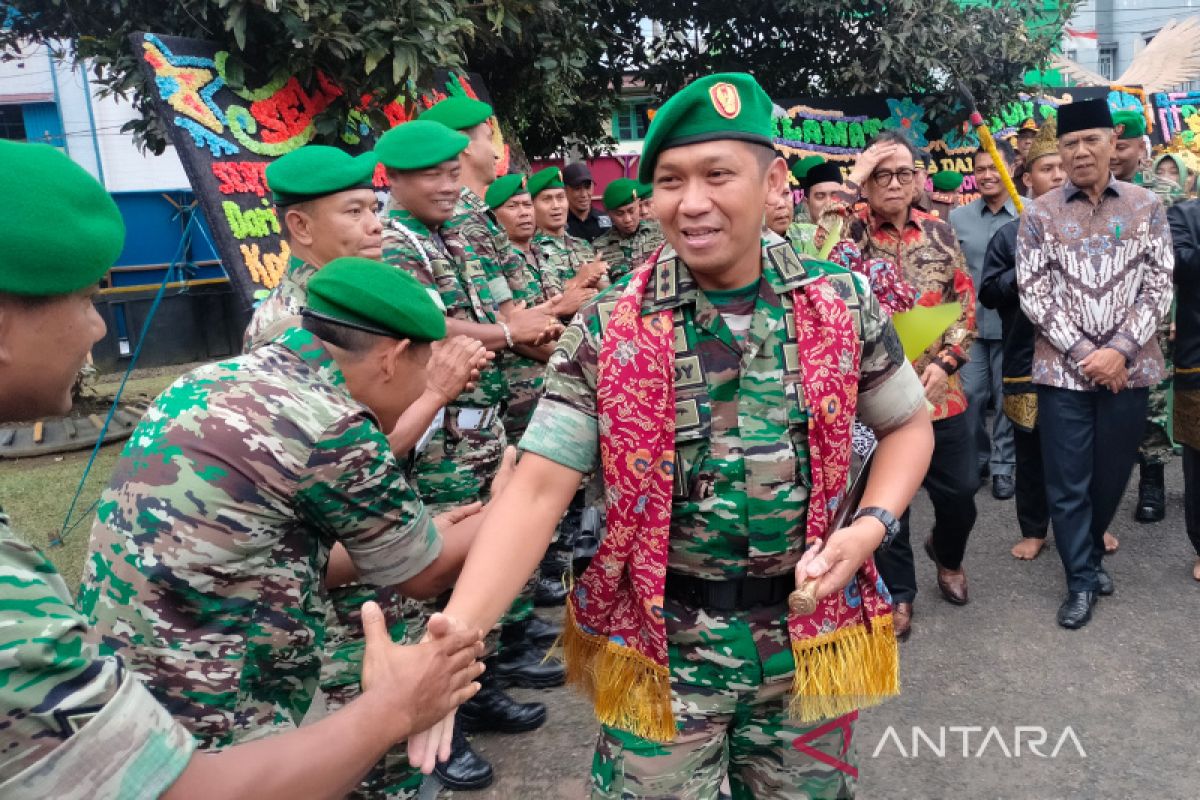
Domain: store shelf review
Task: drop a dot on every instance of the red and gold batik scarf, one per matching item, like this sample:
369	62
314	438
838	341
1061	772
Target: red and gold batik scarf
615	641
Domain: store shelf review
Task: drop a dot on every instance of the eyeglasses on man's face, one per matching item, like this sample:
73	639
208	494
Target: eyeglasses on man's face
883	178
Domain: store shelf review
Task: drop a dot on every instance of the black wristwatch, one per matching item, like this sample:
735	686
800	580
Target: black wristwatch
891	525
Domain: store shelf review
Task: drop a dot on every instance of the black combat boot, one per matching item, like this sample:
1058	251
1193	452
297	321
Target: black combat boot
551	590
466	770
543	634
491	710
1152	494
520	662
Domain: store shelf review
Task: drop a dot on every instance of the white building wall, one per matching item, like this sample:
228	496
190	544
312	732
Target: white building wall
101	148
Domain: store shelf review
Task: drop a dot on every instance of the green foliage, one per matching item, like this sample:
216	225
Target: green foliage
555	69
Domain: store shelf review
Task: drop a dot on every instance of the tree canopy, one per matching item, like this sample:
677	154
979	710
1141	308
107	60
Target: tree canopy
555	69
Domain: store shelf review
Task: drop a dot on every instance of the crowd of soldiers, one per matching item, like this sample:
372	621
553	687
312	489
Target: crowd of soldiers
307	555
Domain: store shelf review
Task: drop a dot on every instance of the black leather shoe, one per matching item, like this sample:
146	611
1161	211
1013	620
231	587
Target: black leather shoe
549	591
491	710
1105	585
1152	495
1076	610
542	633
466	770
1003	487
520	663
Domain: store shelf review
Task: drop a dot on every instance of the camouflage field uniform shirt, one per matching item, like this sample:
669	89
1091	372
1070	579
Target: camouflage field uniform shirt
562	255
537	285
73	724
624	253
741	440
285	300
473	221
206	557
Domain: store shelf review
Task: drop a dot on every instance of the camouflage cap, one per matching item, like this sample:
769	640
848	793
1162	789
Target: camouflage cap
60	231
316	170
621	192
729	105
504	189
548	178
374	297
419	144
1131	123
459	112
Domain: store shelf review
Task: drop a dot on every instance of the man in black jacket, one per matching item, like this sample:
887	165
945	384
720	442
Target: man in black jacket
1185	234
1043	171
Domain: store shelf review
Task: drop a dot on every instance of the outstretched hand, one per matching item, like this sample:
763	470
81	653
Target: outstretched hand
424	682
432	743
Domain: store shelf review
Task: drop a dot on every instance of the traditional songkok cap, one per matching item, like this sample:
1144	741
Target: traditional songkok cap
621	192
1132	123
947	180
504	189
316	170
419	144
548	178
458	112
729	105
1084	115
60	231
825	172
1045	143
374	297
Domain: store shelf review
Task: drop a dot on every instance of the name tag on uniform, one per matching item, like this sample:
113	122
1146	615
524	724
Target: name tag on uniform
470	419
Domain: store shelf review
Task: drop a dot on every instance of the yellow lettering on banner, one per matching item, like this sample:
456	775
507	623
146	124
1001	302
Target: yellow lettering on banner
266	268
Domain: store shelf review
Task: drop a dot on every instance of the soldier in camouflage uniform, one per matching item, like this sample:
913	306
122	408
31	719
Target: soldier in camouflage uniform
1131	163
81	725
326	206
462	456
630	241
740	469
572	261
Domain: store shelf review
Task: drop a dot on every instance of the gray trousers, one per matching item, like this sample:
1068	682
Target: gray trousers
982	381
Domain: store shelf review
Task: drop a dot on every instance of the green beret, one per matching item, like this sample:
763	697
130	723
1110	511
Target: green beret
419	144
645	190
548	178
504	189
800	168
374	297
947	180
1134	122
728	105
459	112
621	192
60	230
315	171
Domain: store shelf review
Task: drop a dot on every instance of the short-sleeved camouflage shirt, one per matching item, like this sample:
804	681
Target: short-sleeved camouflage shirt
741	441
455	276
525	374
73	724
206	558
624	253
285	300
562	255
474	222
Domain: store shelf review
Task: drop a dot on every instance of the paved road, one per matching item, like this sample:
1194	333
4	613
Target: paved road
1127	686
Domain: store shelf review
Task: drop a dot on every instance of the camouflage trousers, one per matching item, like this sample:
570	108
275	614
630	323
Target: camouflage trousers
730	679
1156	446
455	469
341	672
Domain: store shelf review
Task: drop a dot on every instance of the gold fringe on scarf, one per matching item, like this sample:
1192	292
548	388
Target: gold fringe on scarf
628	690
842	671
